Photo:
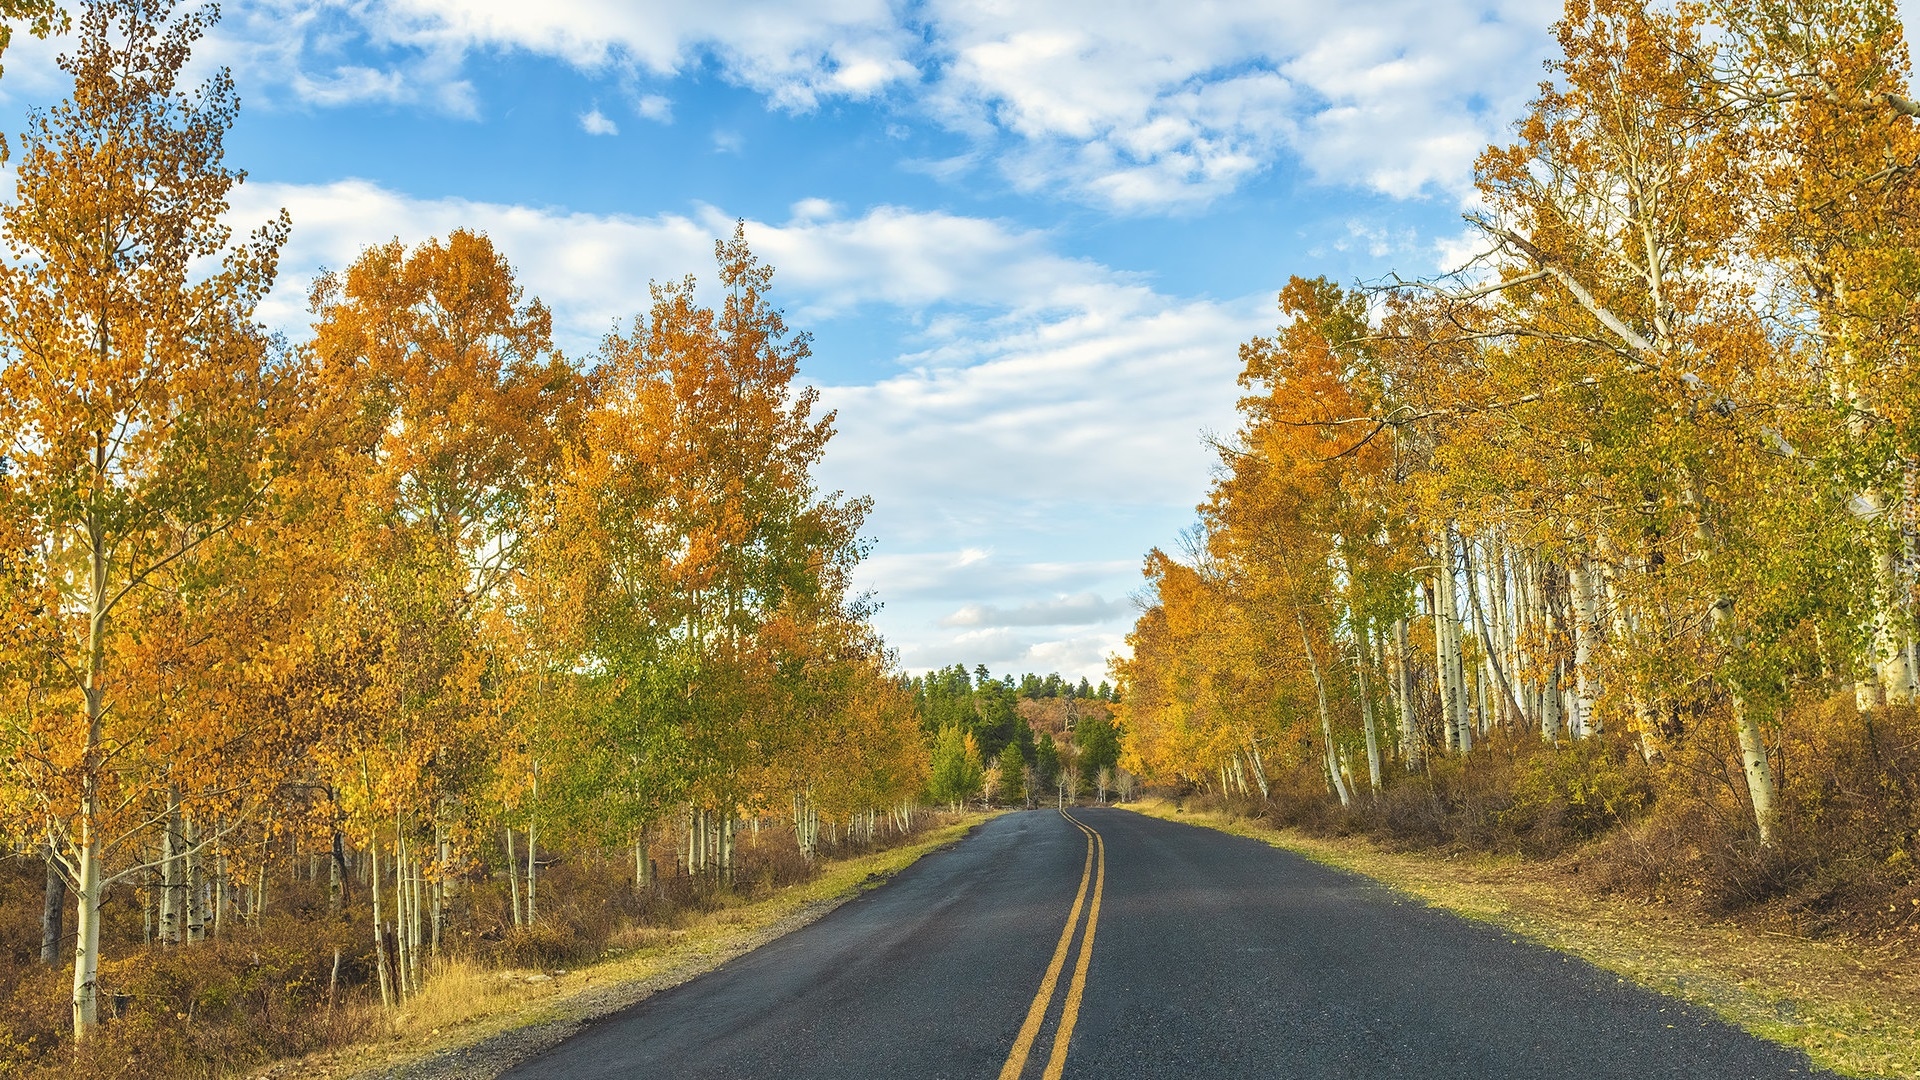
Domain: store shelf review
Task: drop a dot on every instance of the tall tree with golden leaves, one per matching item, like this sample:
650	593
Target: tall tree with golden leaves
147	414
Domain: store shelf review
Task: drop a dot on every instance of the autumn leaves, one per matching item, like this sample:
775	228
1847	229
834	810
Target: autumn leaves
416	580
1641	469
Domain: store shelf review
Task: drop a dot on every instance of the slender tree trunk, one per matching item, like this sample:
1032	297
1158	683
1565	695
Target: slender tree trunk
1753	747
1366	711
1492	649
1552	699
1585	632
1553	695
1893	659
1753	759
801	836
403	965
148	893
86	946
173	877
1529	658
53	913
533	873
418	926
196	884
439	882
337	876
1411	748
1259	766
513	878
1326	719
219	890
1505	620
260	890
382	968
1448	648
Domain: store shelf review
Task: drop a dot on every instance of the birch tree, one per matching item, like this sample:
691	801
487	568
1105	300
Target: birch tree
148	415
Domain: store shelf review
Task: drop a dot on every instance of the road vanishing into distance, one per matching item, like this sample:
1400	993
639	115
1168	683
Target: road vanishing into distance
1109	944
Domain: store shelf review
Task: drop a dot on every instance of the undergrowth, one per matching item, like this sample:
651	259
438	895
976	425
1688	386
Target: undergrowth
303	981
1672	825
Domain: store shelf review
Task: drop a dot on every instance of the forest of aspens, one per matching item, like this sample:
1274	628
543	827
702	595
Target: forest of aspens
330	659
1603	549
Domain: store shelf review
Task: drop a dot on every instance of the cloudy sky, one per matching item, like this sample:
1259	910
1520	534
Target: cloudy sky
1026	234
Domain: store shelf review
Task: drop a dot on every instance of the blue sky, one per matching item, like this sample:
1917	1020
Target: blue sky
1027	236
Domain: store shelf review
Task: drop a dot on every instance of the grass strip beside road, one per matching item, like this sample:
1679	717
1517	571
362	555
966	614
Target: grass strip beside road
463	1006
1854	1009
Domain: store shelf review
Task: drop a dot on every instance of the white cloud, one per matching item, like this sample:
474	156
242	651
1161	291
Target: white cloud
655	108
1155	105
1139	107
595	122
594	268
814	209
1017	635
591	269
1084	609
795	52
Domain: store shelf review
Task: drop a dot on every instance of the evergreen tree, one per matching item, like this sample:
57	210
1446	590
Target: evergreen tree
1046	759
1099	742
1013	765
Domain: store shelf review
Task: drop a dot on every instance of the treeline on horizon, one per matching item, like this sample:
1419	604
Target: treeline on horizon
1613	535
985	745
326	662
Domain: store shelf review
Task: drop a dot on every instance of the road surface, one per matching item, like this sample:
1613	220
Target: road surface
1210	956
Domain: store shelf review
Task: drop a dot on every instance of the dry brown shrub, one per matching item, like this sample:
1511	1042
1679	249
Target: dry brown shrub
1679	827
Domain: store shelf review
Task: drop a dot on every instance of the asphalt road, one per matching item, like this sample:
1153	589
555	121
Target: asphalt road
1212	956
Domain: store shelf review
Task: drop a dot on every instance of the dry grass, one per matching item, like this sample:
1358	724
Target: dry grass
464	1003
1853	1007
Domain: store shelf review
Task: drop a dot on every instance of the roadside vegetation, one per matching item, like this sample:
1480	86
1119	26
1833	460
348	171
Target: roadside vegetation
339	664
296	996
1601	554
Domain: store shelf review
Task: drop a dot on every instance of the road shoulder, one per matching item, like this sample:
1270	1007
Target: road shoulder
1852	1009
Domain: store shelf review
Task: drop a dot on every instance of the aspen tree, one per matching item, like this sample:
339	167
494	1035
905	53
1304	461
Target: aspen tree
149	415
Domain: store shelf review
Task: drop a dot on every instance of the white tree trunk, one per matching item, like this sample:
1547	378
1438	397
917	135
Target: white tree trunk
1326	719
533	874
1259	767
88	879
1366	711
1753	759
382	967
86	946
1893	656
513	878
1753	748
1448	648
1491	646
1585	630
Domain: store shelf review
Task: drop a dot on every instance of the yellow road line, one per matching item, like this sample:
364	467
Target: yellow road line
1070	1013
1017	1057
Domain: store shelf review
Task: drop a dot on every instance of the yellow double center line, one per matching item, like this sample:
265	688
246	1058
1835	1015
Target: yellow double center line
1070	1012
